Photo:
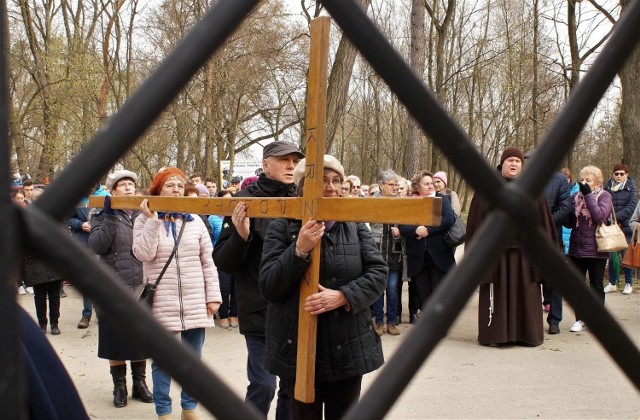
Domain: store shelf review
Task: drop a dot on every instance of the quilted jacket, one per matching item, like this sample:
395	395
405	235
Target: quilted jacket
190	281
347	345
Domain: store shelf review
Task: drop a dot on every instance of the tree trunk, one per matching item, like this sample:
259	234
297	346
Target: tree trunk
338	85
630	108
416	60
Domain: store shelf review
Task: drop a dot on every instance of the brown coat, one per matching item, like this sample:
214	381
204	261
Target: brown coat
517	304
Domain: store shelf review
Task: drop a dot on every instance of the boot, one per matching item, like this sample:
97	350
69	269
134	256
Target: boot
54	329
139	387
119	375
189	415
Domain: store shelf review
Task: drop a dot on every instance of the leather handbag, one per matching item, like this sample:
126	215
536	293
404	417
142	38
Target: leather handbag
610	238
456	234
632	256
149	289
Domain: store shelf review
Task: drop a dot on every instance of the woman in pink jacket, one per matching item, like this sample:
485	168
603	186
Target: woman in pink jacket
188	295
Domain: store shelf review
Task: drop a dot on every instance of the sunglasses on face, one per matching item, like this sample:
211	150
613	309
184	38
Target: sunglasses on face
619	173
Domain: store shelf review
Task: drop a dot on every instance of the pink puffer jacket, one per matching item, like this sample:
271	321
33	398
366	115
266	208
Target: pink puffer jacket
191	280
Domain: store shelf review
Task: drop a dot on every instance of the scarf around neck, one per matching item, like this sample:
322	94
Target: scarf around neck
170	221
580	206
617	186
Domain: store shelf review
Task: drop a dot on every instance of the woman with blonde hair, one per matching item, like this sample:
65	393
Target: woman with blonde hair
592	205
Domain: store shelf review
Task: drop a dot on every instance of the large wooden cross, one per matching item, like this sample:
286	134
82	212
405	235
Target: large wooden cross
312	205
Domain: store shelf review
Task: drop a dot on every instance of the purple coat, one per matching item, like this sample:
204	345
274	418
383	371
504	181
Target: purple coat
583	237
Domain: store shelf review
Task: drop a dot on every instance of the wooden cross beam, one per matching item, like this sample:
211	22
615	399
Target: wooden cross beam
411	211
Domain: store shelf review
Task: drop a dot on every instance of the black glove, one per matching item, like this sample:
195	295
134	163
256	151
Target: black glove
107	206
584	188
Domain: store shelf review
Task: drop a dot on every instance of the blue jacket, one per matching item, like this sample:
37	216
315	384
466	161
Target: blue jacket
624	202
557	194
566	232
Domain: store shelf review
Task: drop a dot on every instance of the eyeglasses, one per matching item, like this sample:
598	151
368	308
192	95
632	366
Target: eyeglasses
392	185
619	173
335	183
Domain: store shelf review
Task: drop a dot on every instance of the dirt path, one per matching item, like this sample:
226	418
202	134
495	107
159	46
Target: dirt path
569	376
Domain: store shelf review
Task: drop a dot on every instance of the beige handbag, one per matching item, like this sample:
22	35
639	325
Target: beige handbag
610	238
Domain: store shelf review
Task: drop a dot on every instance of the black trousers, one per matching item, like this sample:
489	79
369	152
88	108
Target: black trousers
335	397
595	268
40	293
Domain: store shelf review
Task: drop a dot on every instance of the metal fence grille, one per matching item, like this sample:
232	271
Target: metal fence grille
36	227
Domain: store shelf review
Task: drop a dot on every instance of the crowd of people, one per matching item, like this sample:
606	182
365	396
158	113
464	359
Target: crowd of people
246	271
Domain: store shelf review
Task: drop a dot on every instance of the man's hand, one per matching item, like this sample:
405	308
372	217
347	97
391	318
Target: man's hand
240	220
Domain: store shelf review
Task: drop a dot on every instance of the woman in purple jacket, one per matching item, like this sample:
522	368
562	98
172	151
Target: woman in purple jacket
592	205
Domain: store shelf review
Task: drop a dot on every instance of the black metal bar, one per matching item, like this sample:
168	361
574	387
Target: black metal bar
12	399
564	277
443	309
52	244
583	100
118	135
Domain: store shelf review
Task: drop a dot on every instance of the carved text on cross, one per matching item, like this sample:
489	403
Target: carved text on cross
411	211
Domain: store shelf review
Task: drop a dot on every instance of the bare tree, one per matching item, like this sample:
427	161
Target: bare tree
630	107
412	155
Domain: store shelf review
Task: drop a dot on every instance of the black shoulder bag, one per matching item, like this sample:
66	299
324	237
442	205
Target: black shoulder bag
149	289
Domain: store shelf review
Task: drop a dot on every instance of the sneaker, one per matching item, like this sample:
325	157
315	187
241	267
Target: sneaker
84	322
393	330
547	307
21	291
29	290
628	288
577	326
379	329
233	322
610	288
224	323
554	329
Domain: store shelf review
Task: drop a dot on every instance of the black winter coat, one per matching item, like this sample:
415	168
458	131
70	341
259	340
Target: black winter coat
37	272
111	238
347	345
241	258
442	256
624	203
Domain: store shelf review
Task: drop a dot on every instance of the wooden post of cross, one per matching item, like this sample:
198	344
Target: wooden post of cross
410	211
313	186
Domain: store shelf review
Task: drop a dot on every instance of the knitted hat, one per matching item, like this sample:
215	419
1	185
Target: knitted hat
202	189
113	178
329	163
621	167
511	152
162	175
441	176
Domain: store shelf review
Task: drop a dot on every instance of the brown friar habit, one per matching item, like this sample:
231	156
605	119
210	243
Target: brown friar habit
517	301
